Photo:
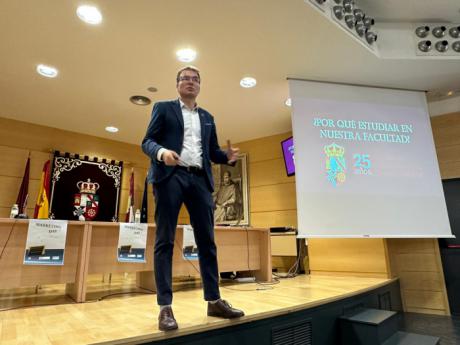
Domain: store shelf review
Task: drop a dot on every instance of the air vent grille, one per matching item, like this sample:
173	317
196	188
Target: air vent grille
298	333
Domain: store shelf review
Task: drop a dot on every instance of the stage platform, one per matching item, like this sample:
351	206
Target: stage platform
316	301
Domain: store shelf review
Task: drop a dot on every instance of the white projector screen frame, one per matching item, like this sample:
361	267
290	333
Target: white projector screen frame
366	164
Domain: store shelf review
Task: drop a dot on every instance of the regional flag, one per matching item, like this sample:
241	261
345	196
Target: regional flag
130	211
23	194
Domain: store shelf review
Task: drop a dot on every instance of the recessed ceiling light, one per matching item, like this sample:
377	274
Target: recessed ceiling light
111	129
140	100
89	14
248	82
186	55
288	102
47	71
152	89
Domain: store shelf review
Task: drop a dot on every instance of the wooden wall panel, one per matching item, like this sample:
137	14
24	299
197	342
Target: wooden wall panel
268	219
450	169
274	197
446	134
449	135
423	300
414	262
13	161
43	139
284	244
348	256
418	265
10	190
268	172
266	148
423	281
445	121
447	154
139	177
446	129
413	245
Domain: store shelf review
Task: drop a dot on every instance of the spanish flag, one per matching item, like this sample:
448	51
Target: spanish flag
42	206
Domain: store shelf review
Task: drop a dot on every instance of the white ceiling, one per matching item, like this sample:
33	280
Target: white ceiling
415	11
134	48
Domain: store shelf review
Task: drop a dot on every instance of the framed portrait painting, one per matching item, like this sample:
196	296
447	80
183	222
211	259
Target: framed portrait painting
231	200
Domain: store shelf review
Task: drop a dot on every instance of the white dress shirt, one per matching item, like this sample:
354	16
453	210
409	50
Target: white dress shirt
191	153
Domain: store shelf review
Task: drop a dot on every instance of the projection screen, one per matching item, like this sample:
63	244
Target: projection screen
366	164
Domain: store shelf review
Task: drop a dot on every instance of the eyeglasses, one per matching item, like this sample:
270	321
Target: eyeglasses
189	78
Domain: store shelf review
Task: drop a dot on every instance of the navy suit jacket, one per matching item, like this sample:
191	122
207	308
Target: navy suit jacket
166	129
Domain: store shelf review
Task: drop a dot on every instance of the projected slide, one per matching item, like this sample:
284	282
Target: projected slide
348	148
366	164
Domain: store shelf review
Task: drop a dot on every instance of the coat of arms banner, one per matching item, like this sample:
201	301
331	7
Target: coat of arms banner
85	189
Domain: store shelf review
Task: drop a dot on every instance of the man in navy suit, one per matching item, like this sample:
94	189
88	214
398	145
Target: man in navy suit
181	142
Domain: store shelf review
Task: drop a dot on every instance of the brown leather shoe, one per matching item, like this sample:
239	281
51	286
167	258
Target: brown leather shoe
223	309
166	320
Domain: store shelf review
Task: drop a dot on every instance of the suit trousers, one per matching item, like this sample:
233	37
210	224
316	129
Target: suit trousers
190	188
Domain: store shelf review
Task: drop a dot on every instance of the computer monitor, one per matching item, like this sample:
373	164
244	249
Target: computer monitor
287	146
126	249
36	251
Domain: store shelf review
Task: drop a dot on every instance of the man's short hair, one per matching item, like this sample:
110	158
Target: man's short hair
187	68
228	173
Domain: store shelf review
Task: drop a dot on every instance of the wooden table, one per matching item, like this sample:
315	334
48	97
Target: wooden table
91	247
13	273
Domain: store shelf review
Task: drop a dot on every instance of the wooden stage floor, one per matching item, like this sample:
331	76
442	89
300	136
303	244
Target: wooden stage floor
123	319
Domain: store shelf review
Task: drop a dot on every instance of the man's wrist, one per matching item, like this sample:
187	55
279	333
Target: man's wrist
160	154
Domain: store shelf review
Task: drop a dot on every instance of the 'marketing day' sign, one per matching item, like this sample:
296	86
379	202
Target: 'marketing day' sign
45	243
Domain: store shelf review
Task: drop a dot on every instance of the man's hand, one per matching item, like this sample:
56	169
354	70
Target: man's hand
170	158
232	152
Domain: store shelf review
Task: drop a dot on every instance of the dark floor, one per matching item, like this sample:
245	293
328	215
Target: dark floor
447	328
